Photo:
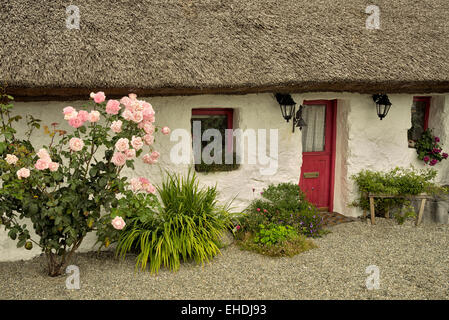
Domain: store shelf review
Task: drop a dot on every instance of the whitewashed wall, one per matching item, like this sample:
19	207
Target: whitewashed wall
250	112
363	142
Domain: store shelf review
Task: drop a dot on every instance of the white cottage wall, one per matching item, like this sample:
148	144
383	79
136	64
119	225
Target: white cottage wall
362	142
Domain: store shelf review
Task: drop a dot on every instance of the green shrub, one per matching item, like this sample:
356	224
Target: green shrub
283	204
188	226
398	182
274	234
275	241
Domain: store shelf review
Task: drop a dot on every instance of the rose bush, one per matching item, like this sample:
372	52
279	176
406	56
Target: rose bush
64	186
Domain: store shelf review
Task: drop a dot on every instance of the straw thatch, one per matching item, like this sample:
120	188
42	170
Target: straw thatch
223	46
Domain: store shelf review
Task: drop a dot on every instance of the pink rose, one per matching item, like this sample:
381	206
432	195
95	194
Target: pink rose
155	155
136	142
76	144
137	116
148	128
130	154
43	154
98	97
72	115
23	173
116	126
125	101
94	116
127	115
118	223
75	122
113	107
68	110
41	164
119	159
150	189
147	186
165	130
152	118
69	113
83	115
11	159
148	111
147	159
122	145
135	184
148	139
53	166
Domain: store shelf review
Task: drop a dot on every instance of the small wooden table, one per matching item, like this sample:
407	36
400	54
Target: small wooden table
421	196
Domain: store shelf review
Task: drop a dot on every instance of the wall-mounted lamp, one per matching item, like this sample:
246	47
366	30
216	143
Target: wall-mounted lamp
288	106
383	105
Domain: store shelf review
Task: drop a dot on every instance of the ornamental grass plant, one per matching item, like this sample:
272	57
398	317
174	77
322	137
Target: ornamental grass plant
187	225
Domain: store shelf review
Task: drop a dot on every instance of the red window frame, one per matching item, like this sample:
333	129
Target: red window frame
218	111
426	115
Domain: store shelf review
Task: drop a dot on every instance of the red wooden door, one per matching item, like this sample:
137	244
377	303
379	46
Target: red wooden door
318	142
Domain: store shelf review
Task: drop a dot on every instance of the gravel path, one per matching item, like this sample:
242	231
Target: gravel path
413	263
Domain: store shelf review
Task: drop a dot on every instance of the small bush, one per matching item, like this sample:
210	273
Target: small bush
274	234
397	182
283	204
275	241
187	227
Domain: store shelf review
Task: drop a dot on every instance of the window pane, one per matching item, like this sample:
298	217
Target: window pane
418	120
313	135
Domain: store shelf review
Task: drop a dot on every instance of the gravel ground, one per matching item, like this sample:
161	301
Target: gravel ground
413	264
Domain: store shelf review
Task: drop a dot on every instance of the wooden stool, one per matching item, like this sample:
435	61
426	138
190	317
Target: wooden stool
422	196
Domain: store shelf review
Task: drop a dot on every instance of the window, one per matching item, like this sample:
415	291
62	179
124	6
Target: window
420	118
213	118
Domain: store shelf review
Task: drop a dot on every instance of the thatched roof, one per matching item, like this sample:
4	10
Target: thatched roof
224	46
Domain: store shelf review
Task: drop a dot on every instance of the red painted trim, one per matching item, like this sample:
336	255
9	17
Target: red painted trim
426	116
216	111
331	132
334	152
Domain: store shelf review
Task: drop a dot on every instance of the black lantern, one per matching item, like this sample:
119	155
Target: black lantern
288	106
383	105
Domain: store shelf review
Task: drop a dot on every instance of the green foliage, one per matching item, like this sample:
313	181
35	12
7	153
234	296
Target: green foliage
397	182
278	241
187	225
283	204
429	149
406	212
141	208
274	234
